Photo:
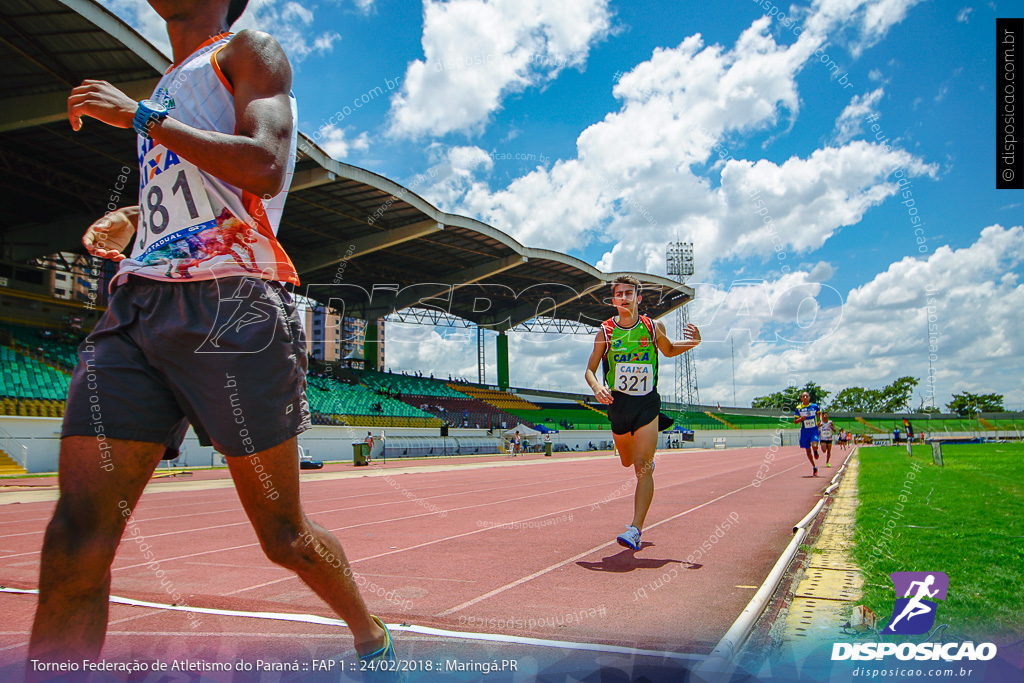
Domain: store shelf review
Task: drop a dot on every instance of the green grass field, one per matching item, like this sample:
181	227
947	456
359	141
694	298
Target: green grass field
965	519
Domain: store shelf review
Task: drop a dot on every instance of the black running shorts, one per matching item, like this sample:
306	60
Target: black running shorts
629	413
226	355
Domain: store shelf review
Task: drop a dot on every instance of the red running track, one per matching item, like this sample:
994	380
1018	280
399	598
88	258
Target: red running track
487	545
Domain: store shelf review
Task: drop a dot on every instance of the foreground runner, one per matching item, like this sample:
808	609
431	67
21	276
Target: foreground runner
218	134
807	416
628	346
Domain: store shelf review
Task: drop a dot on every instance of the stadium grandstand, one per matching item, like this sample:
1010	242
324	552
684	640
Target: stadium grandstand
52	293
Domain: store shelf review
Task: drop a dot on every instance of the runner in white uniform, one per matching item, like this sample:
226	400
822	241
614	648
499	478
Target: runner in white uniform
216	152
827	431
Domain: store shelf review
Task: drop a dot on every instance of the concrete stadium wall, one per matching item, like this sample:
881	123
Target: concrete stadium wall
41	436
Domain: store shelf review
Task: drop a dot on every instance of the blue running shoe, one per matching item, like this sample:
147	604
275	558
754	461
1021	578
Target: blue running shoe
381	665
630	538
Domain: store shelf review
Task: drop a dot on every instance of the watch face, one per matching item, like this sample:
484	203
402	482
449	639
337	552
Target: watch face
154	106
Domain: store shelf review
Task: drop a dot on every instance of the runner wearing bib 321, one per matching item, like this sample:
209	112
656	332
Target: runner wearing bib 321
631	370
627	346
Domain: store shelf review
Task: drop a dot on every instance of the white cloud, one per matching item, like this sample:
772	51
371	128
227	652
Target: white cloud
292	24
455	169
869	20
879	333
479	51
973	295
338	145
644	174
976	298
144	19
632	172
850	122
440	350
964	15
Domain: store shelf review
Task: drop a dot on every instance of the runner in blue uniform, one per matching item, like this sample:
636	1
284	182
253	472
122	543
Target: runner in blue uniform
807	416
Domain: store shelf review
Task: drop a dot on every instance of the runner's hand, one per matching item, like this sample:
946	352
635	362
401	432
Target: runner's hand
109	236
603	395
103	102
691	332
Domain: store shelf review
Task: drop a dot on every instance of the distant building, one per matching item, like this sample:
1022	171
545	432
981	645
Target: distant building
331	338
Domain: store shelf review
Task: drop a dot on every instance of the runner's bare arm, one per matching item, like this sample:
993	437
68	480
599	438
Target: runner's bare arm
601	392
110	236
691	338
255	158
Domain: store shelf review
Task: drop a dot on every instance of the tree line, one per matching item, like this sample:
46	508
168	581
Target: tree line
892	398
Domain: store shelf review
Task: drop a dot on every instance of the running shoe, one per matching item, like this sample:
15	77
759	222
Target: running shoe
828	465
815	472
381	665
630	538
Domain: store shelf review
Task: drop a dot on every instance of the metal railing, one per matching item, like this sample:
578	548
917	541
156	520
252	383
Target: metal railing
14	448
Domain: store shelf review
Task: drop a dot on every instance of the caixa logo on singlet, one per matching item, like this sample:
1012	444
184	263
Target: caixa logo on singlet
913	614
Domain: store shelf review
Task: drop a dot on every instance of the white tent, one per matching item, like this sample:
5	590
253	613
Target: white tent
523	430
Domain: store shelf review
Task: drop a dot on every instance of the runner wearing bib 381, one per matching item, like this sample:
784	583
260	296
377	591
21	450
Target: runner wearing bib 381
628	346
198	330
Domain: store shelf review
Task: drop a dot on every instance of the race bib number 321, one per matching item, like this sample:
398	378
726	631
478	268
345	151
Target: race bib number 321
633	379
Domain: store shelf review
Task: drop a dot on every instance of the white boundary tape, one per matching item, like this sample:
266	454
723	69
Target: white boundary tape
423	630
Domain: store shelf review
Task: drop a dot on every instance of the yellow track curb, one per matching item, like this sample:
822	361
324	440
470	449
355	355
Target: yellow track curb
824	598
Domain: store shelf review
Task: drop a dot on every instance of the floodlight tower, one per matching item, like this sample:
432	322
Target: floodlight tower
680	267
481	360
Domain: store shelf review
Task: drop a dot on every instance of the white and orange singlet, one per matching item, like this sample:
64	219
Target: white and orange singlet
192	225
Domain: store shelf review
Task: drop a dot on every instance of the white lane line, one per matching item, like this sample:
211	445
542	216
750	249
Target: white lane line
424	630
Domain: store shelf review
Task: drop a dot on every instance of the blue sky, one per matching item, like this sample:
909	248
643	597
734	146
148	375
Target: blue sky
596	128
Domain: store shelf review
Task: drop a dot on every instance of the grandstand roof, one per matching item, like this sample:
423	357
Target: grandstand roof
399	250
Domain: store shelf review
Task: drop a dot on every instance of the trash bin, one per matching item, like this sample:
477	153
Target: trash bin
360	454
547	449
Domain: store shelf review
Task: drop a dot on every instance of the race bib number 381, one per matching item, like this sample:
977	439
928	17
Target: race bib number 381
634	379
173	196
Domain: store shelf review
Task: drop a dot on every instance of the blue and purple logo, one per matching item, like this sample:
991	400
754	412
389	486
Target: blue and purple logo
916	593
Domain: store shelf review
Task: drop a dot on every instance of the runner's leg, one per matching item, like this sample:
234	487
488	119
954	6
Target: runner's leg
624	445
81	540
291	540
645	442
